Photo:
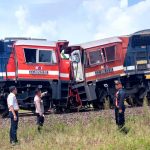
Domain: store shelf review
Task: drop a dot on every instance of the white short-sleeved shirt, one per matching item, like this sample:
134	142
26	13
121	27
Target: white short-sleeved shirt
38	104
12	101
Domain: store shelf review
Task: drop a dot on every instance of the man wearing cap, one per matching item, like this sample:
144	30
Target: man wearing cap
119	104
13	114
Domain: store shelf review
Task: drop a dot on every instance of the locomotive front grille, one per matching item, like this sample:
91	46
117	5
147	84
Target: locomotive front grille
141	66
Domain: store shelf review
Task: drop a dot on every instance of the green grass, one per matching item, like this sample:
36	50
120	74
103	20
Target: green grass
98	133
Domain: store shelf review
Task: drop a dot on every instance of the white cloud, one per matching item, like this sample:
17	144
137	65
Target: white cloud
123	3
46	29
21	15
115	17
92	19
94	7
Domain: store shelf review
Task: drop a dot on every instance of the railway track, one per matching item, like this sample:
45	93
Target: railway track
27	113
72	118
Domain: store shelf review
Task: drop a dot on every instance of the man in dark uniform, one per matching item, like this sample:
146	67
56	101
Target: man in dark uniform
119	104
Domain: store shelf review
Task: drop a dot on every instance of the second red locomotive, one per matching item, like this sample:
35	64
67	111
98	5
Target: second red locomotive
98	63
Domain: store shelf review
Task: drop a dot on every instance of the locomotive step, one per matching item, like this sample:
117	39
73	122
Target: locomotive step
82	92
64	97
84	99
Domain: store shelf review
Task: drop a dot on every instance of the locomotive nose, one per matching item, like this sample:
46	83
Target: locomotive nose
138	54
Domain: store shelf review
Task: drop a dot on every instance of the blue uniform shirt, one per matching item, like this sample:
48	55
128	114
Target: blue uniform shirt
119	99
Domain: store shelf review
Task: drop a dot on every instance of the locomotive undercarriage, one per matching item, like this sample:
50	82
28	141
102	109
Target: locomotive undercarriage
26	92
136	87
56	99
97	94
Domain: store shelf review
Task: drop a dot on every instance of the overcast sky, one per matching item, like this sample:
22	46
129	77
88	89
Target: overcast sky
74	20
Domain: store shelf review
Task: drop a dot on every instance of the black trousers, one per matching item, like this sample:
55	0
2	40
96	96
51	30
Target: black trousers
40	120
119	117
13	127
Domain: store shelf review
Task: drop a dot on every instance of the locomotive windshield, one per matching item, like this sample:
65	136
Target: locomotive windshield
140	40
138	53
39	56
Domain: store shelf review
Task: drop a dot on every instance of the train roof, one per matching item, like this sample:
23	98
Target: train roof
36	42
22	38
99	42
146	31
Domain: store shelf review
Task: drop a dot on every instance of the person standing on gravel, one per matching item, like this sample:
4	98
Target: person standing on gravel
13	114
119	104
39	108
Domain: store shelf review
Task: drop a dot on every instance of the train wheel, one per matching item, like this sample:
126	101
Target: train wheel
139	97
73	105
58	110
101	96
98	105
137	101
129	100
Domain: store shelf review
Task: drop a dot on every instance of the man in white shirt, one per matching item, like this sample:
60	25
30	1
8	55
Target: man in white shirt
39	107
13	114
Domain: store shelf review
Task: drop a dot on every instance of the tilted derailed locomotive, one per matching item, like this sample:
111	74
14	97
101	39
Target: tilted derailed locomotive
98	63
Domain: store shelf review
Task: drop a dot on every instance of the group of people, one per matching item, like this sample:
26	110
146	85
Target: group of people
14	108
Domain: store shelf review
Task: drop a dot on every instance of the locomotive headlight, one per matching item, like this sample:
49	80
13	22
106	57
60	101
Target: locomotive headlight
147	76
141	62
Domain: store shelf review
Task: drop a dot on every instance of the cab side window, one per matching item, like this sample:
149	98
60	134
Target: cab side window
45	56
30	55
110	53
95	57
39	56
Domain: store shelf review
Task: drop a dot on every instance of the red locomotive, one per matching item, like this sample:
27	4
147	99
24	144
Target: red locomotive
97	64
32	63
